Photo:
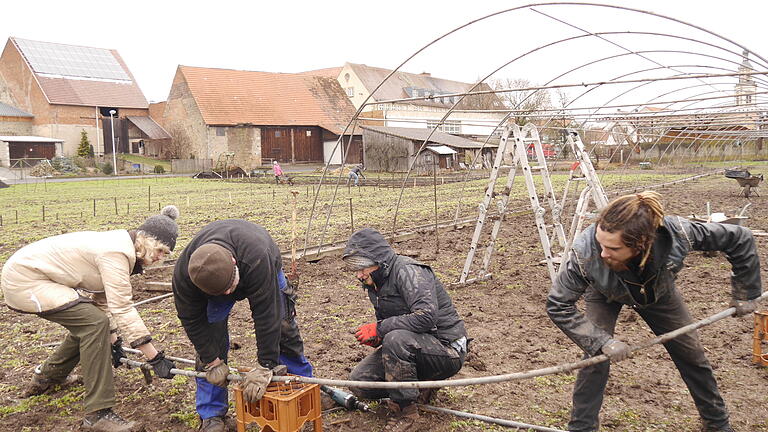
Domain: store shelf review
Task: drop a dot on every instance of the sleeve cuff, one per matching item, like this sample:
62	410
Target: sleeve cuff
141	341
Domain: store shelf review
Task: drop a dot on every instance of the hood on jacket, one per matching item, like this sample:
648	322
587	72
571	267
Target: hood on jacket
371	244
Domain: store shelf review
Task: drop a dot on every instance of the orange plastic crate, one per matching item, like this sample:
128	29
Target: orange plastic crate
284	408
761	336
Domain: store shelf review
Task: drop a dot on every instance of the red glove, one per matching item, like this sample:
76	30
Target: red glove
367	334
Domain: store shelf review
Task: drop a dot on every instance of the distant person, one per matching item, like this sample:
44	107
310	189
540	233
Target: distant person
277	170
417	333
228	261
631	256
355	173
81	281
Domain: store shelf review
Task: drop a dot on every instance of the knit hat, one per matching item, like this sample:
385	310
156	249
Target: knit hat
163	226
358	262
211	268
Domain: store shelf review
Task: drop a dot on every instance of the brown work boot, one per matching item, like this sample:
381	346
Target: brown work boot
41	385
402	419
106	420
213	424
426	395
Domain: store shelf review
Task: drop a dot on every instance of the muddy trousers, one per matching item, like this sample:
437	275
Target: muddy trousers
405	356
88	344
211	400
667	314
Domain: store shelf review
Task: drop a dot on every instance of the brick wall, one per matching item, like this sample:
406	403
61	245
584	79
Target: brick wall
15	126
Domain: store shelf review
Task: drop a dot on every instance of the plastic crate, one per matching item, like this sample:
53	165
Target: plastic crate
285	407
761	336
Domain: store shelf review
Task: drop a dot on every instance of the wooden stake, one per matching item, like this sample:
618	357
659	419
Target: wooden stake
94	207
149	197
351	216
116	206
43	213
294	273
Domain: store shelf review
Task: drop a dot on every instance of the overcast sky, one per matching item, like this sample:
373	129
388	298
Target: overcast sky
153	37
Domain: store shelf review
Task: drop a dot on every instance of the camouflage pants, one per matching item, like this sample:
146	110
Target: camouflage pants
405	356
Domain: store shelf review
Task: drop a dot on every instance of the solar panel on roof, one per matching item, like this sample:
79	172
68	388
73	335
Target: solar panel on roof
74	61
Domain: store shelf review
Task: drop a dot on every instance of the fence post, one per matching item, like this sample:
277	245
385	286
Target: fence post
149	198
115	206
351	216
94	207
43	212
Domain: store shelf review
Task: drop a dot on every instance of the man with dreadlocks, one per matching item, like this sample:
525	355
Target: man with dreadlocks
631	256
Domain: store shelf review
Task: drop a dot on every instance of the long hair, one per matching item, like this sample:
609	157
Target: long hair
148	247
637	216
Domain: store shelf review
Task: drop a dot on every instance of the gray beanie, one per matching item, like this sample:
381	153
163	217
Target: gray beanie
163	226
358	262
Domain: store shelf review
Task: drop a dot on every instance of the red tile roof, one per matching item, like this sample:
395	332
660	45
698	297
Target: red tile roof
86	90
331	72
229	97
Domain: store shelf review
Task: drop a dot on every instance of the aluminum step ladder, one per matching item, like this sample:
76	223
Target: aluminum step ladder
520	139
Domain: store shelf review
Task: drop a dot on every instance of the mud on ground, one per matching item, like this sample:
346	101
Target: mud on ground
505	316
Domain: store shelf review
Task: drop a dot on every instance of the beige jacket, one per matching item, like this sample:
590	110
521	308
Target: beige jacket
58	272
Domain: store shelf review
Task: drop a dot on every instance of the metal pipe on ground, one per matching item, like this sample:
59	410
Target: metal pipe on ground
498	421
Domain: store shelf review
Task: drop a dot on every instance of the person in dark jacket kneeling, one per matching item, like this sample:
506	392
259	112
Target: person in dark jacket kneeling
631	256
228	261
418	334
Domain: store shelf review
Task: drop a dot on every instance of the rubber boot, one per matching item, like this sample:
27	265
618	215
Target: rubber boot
106	420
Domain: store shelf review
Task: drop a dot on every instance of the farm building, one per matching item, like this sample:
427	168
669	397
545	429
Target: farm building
439	95
393	149
69	89
258	116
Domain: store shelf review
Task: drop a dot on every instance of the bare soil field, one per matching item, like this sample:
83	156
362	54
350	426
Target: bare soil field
504	315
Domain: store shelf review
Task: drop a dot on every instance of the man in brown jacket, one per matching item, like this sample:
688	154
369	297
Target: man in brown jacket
81	281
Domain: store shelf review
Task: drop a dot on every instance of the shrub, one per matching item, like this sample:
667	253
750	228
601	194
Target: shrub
84	149
159	169
65	165
107	168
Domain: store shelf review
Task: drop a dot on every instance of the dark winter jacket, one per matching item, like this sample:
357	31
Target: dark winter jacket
674	240
407	294
258	260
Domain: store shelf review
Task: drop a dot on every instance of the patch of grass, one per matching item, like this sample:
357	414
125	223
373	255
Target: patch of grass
24	405
188	418
147	161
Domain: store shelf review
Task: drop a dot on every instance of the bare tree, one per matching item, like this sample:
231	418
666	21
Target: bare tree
180	144
524	102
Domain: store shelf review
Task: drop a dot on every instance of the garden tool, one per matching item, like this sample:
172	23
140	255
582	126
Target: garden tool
347	400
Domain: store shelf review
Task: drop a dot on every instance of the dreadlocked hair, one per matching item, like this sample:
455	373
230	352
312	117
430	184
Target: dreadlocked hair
637	216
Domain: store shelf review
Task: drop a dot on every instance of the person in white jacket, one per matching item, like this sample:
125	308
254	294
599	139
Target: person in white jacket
81	280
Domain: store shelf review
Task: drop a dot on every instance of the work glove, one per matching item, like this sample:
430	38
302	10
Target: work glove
616	350
117	352
162	366
367	334
743	307
217	375
255	383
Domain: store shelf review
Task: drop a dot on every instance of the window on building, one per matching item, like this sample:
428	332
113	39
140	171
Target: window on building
278	134
350	91
220	131
451	127
309	133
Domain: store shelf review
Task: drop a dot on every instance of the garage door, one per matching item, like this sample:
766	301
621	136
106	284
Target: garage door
31	150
